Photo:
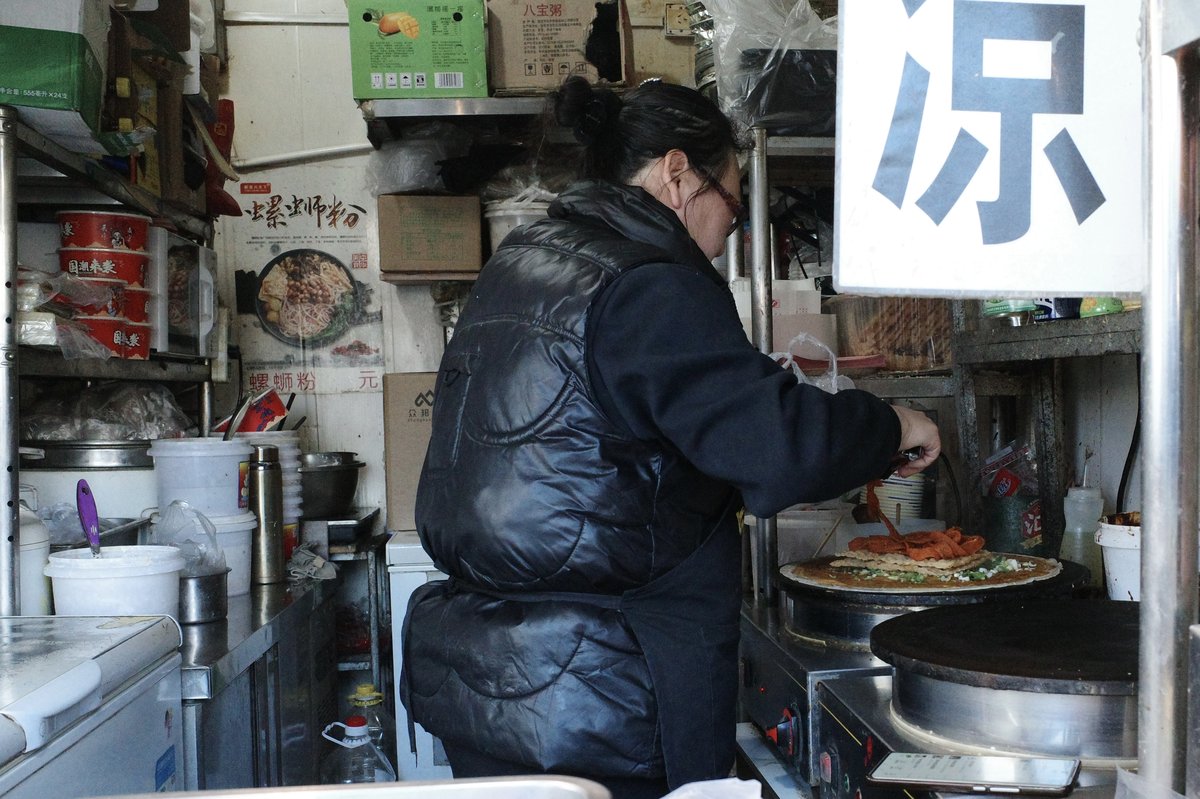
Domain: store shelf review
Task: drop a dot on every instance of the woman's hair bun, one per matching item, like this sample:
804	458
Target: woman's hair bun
585	109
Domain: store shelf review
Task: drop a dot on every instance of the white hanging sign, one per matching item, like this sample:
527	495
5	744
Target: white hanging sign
989	149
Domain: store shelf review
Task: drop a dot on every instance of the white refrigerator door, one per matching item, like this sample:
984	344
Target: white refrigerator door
131	743
409	567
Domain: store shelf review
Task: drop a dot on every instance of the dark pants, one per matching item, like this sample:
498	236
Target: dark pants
470	763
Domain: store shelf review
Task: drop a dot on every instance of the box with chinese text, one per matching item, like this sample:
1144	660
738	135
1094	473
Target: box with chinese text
55	53
434	237
407	422
534	47
404	49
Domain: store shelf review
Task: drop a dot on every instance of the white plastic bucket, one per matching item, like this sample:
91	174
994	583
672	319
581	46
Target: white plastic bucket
234	535
120	493
1121	548
503	217
208	473
123	581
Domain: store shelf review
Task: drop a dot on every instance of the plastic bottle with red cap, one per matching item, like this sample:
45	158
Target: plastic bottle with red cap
356	759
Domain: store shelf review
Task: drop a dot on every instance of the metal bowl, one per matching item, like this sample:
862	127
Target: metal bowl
328	481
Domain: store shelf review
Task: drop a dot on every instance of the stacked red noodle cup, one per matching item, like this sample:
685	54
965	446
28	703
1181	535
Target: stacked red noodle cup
107	249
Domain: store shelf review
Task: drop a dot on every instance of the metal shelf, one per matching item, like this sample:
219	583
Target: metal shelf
72	170
907	386
452	106
1062	338
800	146
37	362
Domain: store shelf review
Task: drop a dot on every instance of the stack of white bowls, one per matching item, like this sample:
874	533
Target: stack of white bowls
210	474
287	442
906	493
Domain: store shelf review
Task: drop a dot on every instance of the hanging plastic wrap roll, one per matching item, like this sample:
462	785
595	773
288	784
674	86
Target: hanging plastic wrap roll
776	65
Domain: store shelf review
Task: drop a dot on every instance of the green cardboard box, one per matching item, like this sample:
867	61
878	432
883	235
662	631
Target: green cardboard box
405	49
54	54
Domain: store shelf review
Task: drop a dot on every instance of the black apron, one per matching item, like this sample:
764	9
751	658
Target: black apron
687	624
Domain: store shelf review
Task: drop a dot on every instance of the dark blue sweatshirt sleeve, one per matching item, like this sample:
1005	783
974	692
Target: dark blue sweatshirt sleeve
670	361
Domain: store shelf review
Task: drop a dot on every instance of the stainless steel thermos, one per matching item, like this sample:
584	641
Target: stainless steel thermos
266	500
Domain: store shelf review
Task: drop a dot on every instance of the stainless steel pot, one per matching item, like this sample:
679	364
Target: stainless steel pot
203	598
87	455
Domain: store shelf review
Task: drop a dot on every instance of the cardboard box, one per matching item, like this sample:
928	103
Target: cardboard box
55	53
429	235
784	327
407	421
534	47
402	49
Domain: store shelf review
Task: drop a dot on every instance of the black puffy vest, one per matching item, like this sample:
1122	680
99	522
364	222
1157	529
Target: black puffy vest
529	487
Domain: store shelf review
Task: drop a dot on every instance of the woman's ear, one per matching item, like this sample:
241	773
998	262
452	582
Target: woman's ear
674	168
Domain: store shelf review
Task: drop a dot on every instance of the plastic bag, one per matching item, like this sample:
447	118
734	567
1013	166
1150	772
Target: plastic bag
108	412
776	65
830	381
188	530
62	520
410	164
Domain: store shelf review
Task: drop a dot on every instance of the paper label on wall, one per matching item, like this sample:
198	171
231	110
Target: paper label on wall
989	148
309	319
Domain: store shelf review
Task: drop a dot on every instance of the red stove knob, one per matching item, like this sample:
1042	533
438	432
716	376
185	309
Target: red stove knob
783	734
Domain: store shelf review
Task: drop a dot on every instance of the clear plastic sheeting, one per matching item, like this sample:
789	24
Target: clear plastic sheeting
414	163
776	64
110	412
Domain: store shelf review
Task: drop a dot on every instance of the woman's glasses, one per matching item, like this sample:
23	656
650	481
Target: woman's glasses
736	207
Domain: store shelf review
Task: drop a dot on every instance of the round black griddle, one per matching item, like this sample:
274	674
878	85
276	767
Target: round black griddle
1070	646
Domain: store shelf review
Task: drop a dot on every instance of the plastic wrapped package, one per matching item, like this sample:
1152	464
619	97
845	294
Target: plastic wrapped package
110	412
412	163
776	65
37	328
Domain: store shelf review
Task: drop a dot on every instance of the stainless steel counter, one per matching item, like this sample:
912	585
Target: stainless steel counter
215	654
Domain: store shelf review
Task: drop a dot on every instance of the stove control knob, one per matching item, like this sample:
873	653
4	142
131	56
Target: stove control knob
825	761
785	733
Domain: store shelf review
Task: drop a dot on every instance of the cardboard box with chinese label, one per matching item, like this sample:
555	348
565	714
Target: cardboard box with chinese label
534	47
407	421
425	237
54	54
405	49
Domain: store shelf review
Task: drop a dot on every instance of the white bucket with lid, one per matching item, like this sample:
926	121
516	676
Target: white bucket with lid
504	216
208	473
123	581
234	534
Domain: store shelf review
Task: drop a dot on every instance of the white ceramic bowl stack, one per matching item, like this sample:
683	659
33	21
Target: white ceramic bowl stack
906	492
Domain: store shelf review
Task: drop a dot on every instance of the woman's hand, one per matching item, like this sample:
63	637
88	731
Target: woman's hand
917	431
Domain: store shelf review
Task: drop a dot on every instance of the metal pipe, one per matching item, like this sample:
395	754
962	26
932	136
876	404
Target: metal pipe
761	331
10	573
301	156
1172	429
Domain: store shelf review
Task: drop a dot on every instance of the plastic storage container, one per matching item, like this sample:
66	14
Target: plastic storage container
208	473
234	534
123	581
1082	508
504	216
357	759
1120	540
34	556
381	727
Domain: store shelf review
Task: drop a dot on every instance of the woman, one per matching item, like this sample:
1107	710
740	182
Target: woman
600	419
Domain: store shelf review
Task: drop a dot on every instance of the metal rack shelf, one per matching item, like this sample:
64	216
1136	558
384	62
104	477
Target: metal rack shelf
1062	338
452	106
68	170
38	362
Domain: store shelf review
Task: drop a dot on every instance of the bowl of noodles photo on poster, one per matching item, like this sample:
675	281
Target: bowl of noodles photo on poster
308	298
